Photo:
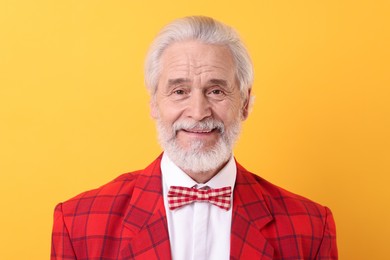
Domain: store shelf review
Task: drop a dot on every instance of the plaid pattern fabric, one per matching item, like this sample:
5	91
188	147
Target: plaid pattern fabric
181	196
272	223
126	219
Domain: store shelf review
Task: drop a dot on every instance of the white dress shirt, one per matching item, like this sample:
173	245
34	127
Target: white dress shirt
200	230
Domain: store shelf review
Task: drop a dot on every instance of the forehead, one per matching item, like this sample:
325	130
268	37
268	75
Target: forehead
193	58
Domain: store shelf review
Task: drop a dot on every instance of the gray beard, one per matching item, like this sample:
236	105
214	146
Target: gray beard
195	158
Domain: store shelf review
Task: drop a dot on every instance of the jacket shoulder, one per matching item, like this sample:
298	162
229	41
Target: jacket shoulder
112	197
282	202
107	197
282	195
296	220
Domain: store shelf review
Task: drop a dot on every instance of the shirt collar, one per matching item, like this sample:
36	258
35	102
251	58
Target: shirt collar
174	176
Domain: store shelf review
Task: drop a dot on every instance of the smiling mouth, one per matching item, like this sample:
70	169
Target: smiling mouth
199	131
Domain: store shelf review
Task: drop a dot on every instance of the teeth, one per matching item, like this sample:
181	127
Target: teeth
199	131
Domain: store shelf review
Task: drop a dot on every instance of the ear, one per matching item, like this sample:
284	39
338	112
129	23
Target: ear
246	105
153	108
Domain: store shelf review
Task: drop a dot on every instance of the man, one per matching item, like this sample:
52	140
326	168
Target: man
194	201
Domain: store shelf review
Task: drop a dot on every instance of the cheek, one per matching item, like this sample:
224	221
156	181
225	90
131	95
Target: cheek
228	113
168	113
154	112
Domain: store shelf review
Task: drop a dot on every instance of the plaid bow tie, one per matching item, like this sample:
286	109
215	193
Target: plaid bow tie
180	196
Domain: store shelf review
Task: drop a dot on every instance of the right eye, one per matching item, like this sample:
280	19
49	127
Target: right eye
179	92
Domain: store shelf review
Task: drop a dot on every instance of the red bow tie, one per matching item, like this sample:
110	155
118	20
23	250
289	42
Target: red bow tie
180	196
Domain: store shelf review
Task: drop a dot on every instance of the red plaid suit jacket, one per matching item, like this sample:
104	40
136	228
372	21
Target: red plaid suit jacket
126	219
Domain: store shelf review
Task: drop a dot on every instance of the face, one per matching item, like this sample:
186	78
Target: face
198	105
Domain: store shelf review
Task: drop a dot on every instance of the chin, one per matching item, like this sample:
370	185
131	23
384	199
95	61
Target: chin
198	156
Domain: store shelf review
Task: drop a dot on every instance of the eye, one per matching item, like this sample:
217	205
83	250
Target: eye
216	92
179	92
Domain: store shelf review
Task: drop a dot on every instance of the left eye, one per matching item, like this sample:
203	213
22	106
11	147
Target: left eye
216	92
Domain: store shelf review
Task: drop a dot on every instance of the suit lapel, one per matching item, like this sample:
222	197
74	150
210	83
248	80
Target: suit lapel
146	227
145	220
250	215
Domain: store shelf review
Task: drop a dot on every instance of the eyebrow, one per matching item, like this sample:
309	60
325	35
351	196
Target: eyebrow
220	82
173	82
178	81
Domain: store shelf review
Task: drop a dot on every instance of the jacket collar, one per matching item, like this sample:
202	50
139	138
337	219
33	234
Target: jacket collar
250	216
146	219
147	222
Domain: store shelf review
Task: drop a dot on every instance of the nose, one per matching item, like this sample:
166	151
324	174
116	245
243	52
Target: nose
199	106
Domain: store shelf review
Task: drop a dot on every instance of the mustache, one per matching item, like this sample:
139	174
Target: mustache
204	125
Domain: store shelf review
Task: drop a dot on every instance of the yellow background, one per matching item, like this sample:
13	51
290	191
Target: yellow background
74	112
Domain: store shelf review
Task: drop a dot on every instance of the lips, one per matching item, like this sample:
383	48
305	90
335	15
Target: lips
196	131
206	127
199	131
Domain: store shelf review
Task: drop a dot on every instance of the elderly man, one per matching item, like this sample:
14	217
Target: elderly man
194	201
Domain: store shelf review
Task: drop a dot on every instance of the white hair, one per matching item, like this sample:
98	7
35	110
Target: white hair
206	30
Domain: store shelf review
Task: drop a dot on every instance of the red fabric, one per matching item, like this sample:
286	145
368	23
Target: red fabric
181	196
126	219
